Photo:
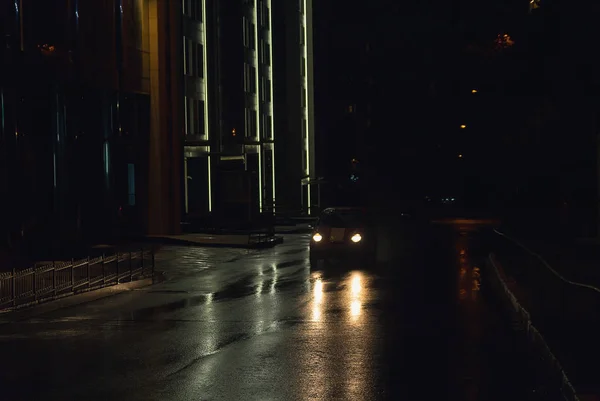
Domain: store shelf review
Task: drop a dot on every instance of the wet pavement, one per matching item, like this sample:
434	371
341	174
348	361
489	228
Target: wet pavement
235	324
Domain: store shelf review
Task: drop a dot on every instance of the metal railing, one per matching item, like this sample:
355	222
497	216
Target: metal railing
261	237
522	319
58	279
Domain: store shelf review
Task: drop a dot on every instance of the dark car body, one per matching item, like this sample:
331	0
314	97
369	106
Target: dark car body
344	233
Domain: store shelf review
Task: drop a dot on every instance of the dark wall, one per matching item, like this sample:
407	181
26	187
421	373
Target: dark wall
68	177
287	108
231	54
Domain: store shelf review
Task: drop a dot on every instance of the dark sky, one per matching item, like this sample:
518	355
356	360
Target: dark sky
414	83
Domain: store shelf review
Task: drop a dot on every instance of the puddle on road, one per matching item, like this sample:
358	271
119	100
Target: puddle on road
290	263
152	311
293	251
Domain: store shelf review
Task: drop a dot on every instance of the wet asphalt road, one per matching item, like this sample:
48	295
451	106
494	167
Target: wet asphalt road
262	325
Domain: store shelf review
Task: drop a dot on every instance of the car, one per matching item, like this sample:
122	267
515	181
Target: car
343	232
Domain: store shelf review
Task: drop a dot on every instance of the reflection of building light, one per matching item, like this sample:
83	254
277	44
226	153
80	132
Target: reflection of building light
356	287
274	280
209	298
259	288
355	307
318	291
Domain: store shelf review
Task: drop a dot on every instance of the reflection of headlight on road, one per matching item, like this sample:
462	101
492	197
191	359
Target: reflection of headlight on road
317	237
316	313
355	308
356	285
318	291
356	238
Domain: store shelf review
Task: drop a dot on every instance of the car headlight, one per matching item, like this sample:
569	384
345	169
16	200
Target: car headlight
356	238
317	237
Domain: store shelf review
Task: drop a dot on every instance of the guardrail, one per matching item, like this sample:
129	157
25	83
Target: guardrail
54	280
521	318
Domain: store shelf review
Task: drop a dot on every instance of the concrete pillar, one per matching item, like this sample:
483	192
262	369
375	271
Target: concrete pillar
165	142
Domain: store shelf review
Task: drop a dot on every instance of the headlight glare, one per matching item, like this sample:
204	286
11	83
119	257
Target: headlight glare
356	238
317	237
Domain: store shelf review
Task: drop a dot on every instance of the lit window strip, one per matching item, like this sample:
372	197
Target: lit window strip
205	67
256	61
271	108
304	19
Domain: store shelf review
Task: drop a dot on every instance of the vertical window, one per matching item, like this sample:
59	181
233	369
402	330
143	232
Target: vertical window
303	97
251	123
190	57
268	90
303	67
304	166
261	51
131	184
265	124
252	36
186	117
267	14
267	53
247	122
304	130
301	6
262	89
269	120
186	8
246	32
302	34
186	56
195	10
190	116
200	110
253	79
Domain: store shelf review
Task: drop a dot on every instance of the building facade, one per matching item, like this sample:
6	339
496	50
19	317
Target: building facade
248	111
295	107
89	109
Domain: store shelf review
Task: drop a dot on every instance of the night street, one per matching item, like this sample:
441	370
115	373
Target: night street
234	324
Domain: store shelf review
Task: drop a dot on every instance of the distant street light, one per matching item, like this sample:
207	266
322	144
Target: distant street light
463	126
460	156
474	91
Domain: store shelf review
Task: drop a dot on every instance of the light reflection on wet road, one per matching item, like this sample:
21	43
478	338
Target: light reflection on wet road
261	325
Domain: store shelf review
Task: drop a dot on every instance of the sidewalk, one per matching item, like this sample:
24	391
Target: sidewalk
567	315
223	240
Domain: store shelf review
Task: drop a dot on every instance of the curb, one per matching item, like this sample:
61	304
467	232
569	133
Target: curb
69	301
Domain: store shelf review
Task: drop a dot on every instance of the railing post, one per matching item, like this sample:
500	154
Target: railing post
34	285
130	269
72	275
103	275
14	288
54	277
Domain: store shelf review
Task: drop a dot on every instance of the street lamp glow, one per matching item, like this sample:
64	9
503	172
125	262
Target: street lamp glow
463	126
474	91
460	156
